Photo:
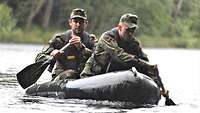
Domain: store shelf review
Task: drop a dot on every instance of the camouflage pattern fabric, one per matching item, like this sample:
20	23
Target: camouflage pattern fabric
74	59
122	54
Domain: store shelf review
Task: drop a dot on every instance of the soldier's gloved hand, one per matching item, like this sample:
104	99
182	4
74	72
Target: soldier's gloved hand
56	53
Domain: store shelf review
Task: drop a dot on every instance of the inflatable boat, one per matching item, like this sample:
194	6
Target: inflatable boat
126	86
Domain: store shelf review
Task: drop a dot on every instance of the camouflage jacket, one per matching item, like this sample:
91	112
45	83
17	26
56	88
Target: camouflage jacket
113	54
74	58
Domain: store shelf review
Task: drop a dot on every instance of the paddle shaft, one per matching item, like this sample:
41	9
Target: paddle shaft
161	83
168	101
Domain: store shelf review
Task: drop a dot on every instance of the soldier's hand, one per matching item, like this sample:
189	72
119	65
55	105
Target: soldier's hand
56	53
75	40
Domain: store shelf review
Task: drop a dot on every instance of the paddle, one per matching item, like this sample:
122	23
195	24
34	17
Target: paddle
30	74
168	100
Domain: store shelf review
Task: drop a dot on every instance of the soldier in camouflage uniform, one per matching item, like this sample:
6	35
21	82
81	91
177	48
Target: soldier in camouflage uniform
118	49
70	63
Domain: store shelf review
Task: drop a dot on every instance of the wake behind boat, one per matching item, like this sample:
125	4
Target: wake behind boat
126	86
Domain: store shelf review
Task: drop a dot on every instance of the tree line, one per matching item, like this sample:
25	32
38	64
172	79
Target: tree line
166	18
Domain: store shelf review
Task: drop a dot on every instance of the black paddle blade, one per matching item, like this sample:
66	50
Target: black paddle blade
30	74
169	102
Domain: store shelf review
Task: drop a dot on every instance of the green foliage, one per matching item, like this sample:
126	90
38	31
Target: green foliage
7	22
172	42
8	29
153	16
174	22
194	18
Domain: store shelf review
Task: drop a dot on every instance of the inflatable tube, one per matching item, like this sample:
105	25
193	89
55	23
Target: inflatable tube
127	86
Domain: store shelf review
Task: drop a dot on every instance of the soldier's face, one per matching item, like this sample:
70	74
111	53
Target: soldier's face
77	25
126	32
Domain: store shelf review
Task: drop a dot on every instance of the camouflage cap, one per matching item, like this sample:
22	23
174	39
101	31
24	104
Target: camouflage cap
78	13
129	19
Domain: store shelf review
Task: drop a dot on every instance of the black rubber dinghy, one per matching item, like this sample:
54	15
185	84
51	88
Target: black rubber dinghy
126	86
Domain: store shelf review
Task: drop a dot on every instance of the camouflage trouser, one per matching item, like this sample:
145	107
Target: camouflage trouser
67	74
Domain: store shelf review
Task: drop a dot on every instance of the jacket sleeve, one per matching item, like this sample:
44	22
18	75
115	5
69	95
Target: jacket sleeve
115	52
139	50
55	43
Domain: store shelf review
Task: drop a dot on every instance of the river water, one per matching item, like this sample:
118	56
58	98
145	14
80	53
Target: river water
179	69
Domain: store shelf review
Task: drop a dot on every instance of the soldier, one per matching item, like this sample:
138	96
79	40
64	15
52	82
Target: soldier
118	49
70	63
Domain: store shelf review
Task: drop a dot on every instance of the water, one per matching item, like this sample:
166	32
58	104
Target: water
179	69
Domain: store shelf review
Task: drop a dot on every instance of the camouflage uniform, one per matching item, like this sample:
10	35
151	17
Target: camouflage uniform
120	54
73	59
71	63
113	53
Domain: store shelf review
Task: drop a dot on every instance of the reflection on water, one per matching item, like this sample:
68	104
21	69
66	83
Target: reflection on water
179	70
7	80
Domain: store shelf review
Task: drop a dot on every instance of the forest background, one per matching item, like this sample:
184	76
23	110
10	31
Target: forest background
162	23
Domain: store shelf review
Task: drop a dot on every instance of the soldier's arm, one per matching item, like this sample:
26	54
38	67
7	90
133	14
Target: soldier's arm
116	53
44	54
141	55
55	43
